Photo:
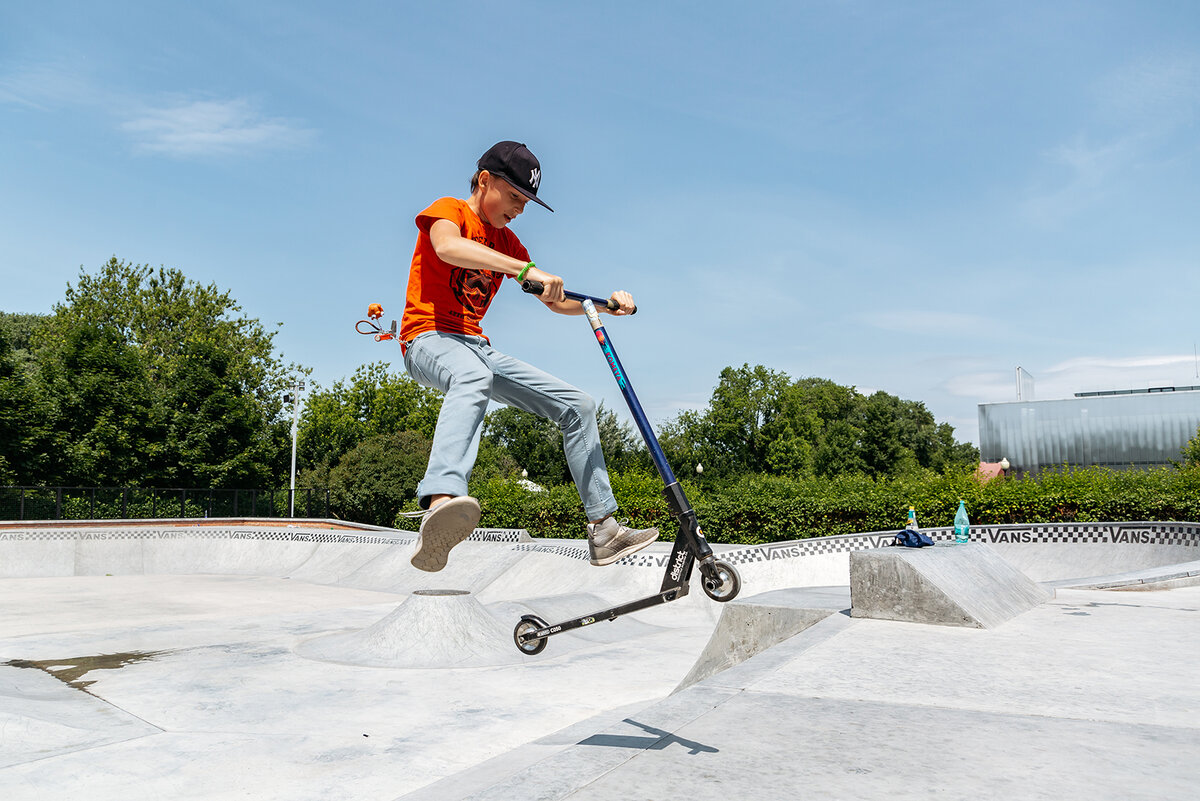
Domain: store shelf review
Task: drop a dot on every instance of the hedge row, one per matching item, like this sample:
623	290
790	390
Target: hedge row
761	509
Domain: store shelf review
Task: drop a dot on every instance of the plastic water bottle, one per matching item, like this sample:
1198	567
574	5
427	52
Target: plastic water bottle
912	519
962	526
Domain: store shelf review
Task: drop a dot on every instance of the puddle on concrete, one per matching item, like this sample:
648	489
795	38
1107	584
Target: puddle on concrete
71	671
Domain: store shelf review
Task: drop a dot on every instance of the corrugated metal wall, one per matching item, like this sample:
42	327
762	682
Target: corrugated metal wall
1117	431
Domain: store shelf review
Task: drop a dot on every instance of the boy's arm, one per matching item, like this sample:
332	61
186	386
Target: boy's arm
453	248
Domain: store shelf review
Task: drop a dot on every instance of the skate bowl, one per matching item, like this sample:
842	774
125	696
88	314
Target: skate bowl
337	553
245	658
504	573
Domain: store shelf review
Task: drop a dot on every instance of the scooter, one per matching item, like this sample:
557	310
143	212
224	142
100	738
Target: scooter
719	579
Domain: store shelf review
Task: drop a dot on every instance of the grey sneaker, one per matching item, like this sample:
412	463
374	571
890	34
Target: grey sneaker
443	528
609	540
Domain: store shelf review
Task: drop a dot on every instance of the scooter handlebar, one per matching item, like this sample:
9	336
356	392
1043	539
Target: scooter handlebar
535	288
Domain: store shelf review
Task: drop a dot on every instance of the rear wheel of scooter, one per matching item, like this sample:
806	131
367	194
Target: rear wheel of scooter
529	624
724	584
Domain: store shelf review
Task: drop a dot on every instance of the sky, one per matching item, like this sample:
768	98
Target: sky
913	197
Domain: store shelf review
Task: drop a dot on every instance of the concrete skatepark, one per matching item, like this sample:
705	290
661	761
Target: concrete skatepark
254	659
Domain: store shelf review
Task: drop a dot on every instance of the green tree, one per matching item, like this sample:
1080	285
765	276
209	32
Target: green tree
760	421
624	450
103	423
1191	451
374	401
744	416
216	433
378	477
733	436
881	442
682	441
814	429
209	409
24	429
535	444
19	329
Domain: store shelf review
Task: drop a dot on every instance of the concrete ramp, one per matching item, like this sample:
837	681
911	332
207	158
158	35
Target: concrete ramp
947	585
749	626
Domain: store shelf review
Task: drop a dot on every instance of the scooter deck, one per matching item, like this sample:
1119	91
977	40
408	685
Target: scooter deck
610	614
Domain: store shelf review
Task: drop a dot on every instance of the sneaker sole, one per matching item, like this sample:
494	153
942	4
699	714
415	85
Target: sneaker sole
444	527
629	549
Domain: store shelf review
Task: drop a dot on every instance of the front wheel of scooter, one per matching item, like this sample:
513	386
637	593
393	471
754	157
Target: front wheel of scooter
724	583
529	624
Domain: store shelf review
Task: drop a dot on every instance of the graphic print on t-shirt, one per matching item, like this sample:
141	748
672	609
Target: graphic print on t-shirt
472	288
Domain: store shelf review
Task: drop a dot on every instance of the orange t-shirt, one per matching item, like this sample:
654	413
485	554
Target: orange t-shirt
442	297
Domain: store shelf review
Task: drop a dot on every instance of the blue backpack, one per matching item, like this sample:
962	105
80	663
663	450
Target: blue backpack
912	538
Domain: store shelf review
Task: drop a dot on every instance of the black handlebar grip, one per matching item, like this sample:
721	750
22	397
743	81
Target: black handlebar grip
536	287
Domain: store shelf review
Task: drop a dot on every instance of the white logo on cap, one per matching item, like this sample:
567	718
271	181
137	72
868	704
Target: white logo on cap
535	177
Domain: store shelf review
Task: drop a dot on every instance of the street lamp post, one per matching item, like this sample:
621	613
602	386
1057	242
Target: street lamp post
294	397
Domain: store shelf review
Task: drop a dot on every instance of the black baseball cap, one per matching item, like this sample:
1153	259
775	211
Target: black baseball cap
513	162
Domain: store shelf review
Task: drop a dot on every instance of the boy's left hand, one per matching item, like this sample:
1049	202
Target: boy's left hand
625	301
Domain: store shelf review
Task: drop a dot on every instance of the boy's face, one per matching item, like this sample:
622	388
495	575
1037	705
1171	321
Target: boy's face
499	203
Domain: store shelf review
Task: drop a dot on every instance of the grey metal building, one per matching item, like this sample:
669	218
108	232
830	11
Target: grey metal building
1121	429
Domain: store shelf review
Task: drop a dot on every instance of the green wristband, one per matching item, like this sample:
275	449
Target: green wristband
521	275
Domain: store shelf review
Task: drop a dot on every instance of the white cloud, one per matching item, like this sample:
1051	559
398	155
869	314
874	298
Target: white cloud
1082	374
1143	113
1090	170
212	127
179	126
1091	164
44	87
1093	373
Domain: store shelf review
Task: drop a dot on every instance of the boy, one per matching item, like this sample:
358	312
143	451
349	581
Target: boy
464	250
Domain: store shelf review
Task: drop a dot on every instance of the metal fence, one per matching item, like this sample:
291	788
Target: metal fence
130	503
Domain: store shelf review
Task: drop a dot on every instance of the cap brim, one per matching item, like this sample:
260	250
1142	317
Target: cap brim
521	189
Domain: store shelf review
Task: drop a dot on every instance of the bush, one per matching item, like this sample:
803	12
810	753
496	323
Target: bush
378	477
762	508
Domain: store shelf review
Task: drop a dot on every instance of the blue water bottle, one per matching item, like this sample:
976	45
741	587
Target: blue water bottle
962	526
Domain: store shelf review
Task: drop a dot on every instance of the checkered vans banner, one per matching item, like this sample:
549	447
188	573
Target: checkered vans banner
1186	534
263	534
569	551
201	533
1138	533
500	535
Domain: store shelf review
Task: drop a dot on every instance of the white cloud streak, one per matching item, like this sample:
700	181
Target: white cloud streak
212	128
1141	109
44	87
179	127
1083	374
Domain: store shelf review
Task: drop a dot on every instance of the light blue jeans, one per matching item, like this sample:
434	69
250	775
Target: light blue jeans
471	372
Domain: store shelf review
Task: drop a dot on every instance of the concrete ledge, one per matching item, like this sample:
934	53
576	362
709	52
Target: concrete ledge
946	585
749	626
1166	577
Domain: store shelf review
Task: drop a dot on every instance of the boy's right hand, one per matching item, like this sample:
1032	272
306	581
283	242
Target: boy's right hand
552	285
